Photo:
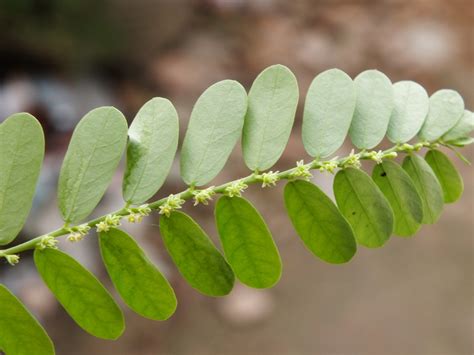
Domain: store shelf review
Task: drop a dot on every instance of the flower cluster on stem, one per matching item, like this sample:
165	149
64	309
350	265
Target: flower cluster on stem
172	203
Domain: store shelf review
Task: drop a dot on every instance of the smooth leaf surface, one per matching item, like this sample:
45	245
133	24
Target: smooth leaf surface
94	153
140	284
323	229
328	112
364	206
248	244
446	109
214	127
272	103
402	195
462	129
20	332
152	143
21	156
427	185
196	258
80	293
374	106
411	108
448	176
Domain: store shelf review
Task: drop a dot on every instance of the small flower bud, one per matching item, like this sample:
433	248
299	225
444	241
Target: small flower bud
301	171
173	202
203	196
269	179
47	242
12	259
236	188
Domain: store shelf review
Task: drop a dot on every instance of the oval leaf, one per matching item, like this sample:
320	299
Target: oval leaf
141	285
197	259
80	293
373	109
323	229
446	109
94	152
21	156
273	99
364	206
20	332
411	107
402	195
153	139
447	174
214	128
462	129
328	112
427	185
248	244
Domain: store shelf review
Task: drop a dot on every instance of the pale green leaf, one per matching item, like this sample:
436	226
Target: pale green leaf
364	206
446	109
462	129
273	99
248	244
324	231
80	293
214	127
427	185
461	142
411	108
21	156
140	284
94	153
374	106
447	174
20	332
152	142
328	112
402	195
197	259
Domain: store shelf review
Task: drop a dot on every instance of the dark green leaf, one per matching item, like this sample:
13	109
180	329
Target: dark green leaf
447	174
94	152
20	332
365	207
153	139
80	293
247	242
197	259
21	156
323	229
402	195
141	285
427	185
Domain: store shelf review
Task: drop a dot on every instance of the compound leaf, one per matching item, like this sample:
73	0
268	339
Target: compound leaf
324	231
411	107
20	332
248	244
141	285
21	156
328	112
427	185
153	139
446	109
80	293
447	174
94	152
364	206
214	127
462	129
373	109
402	195
197	259
273	99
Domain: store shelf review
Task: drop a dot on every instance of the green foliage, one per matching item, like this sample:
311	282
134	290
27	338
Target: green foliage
80	293
20	332
248	244
21	156
141	285
368	210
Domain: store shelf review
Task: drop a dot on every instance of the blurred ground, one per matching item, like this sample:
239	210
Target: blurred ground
58	59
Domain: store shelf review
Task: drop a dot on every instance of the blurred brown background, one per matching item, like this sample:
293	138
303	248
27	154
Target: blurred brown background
59	59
